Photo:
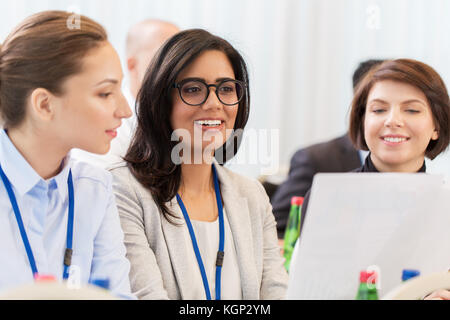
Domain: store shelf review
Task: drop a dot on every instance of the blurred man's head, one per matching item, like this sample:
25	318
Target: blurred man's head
362	70
143	41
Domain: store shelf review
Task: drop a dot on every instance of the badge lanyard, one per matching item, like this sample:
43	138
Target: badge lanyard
220	253
68	251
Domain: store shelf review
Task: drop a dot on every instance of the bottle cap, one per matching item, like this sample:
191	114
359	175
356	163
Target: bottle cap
100	282
297	201
44	278
409	273
368	277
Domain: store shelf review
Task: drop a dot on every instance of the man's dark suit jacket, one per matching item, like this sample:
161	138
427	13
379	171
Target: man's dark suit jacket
337	155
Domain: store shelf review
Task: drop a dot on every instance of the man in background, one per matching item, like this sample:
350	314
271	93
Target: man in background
336	155
143	41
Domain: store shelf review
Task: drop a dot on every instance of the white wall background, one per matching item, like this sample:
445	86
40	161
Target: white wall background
301	53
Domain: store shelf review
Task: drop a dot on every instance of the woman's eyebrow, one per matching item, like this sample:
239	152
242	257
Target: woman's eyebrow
222	79
113	81
413	101
379	101
192	79
204	80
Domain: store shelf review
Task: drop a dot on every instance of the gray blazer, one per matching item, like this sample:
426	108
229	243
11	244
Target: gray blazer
157	249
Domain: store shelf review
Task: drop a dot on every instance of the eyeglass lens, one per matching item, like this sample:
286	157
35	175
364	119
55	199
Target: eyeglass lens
196	92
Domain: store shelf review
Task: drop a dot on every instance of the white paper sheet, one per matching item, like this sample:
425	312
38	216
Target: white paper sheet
357	220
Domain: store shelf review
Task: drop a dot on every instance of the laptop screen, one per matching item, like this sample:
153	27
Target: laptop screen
385	222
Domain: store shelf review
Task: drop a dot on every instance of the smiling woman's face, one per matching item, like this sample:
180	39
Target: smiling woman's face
212	121
398	126
92	105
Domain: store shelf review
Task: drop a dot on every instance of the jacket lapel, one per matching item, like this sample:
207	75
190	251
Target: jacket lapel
238	215
177	244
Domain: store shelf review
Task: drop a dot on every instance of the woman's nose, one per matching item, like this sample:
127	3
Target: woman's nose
213	100
123	109
394	119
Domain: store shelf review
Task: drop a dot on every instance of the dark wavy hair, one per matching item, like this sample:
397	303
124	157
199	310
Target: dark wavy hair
149	154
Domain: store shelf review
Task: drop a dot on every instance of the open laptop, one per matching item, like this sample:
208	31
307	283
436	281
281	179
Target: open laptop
385	222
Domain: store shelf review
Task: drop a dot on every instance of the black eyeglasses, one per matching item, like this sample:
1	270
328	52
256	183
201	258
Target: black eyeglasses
195	92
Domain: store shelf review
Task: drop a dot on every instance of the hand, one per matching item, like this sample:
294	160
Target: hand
439	295
281	245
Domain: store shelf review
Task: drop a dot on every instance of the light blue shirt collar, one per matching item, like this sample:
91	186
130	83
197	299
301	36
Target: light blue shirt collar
61	178
20	173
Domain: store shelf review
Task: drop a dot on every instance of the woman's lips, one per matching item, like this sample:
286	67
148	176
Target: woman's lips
112	133
210	127
394	140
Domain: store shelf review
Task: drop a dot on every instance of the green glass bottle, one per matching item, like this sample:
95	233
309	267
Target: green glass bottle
292	229
367	286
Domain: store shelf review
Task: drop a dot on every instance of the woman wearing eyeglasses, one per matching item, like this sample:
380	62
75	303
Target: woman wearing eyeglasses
59	89
193	229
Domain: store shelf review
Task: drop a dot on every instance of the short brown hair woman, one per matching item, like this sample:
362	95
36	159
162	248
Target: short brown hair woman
401	114
425	99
